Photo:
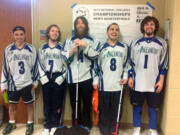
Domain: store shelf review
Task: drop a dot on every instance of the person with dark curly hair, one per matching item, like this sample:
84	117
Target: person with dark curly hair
149	64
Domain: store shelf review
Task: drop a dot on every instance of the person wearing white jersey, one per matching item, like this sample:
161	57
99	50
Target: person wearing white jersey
52	70
149	63
19	77
85	68
112	74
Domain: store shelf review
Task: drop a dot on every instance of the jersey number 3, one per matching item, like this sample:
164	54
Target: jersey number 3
21	65
113	64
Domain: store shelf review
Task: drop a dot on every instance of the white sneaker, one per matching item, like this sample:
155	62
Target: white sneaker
53	131
136	131
153	132
45	132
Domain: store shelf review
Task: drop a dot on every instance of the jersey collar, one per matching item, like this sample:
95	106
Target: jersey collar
77	37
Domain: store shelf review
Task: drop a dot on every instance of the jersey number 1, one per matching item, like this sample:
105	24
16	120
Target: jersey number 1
145	61
51	63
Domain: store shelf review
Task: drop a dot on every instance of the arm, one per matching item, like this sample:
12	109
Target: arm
163	68
68	52
96	76
62	77
5	73
125	68
35	72
89	51
131	67
42	75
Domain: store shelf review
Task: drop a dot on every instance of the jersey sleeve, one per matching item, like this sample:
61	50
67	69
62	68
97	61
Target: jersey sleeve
35	71
96	73
66	50
59	80
164	59
125	64
42	75
5	72
130	65
91	52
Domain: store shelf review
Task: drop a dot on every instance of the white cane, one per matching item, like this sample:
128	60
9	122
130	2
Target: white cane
77	87
119	111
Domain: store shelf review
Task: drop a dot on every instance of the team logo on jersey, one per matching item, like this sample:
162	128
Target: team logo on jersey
52	56
113	54
143	49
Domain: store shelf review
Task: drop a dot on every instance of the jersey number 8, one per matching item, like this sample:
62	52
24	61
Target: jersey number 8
113	64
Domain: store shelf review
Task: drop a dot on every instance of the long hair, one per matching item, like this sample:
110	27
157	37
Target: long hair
48	30
148	19
86	30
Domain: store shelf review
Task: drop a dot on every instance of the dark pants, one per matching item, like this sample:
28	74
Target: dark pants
108	111
53	98
154	101
85	95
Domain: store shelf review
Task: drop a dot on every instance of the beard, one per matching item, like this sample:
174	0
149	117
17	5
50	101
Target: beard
53	40
80	32
149	33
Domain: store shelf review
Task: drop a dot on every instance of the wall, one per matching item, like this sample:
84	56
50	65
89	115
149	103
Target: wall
48	12
14	13
171	111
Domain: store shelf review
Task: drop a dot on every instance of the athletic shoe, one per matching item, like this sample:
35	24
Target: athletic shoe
29	128
45	132
153	132
9	127
136	131
53	131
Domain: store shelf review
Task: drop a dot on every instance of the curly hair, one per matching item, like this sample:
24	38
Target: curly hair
148	19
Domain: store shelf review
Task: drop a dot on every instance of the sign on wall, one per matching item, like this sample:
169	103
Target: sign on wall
100	16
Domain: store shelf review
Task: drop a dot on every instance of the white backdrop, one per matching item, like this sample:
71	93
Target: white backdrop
100	16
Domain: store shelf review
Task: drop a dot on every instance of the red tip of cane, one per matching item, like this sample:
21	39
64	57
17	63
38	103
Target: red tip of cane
75	122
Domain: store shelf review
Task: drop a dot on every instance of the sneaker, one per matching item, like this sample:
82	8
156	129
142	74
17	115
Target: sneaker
153	132
53	130
136	131
29	129
9	127
45	132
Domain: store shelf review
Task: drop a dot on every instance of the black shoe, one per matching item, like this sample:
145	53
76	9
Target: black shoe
9	127
29	129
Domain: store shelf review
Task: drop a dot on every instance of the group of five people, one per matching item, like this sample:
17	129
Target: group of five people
91	64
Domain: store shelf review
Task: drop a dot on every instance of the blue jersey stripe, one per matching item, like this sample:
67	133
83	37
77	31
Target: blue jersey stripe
102	85
70	75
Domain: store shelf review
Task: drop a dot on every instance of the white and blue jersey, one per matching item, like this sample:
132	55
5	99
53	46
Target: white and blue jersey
111	65
149	60
51	64
20	67
84	70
